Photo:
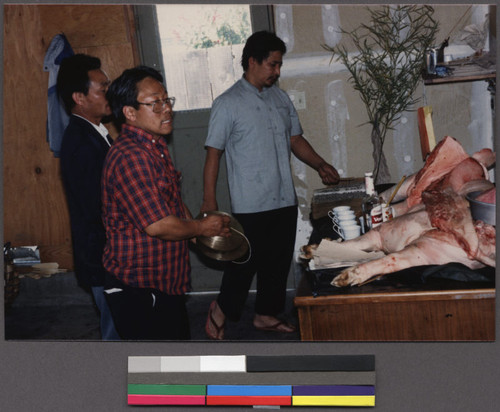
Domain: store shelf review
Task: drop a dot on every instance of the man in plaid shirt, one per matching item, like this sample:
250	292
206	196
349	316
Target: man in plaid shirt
147	224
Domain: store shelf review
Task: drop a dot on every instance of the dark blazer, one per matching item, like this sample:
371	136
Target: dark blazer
82	156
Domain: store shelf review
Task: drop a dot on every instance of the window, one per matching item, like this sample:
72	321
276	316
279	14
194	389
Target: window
201	48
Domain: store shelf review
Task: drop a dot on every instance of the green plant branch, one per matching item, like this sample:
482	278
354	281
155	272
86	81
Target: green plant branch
387	64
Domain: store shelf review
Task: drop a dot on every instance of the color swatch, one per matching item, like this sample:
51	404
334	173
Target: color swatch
310	380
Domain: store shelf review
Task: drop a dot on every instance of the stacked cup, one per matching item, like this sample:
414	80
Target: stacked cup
344	222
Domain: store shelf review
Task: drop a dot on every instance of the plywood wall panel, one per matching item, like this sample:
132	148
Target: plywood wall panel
85	25
35	210
32	182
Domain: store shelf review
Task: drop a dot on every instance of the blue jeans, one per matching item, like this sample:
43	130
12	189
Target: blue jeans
108	331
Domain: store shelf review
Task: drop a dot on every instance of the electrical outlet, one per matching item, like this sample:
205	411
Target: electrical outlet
298	99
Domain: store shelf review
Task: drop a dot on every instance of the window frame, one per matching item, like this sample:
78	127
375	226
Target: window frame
148	36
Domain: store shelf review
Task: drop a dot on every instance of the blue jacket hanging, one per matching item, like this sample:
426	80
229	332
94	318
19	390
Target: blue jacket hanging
57	118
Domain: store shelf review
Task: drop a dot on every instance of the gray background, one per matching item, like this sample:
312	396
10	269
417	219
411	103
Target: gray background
92	376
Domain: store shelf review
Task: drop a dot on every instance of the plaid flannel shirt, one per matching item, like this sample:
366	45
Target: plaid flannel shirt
140	186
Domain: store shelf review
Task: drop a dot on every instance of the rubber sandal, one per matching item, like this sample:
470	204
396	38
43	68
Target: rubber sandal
211	325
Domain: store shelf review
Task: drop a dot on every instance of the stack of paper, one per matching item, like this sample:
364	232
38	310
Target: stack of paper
333	254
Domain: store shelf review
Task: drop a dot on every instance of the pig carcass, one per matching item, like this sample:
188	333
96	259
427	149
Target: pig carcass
433	223
447	165
440	232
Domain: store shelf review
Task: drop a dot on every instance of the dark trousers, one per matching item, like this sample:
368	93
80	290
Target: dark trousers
272	239
145	313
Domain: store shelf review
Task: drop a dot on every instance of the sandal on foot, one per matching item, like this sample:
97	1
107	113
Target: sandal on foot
279	326
211	325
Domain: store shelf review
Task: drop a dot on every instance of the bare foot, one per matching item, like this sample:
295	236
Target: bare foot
270	323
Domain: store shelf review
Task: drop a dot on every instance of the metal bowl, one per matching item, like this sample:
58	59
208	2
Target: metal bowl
224	248
235	255
481	210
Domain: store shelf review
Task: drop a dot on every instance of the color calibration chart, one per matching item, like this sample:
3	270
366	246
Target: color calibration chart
240	380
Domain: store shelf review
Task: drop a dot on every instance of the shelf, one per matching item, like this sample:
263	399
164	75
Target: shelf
464	70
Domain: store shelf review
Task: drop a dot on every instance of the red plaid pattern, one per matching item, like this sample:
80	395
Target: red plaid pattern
140	186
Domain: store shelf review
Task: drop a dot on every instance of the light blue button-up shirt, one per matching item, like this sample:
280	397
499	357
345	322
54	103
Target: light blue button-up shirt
254	129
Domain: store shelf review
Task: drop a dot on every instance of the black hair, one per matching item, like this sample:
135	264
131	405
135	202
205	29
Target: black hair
259	45
123	90
73	76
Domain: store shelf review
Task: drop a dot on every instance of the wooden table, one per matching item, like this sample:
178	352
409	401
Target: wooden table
391	310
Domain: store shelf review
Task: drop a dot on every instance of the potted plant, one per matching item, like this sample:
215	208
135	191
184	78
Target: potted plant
386	67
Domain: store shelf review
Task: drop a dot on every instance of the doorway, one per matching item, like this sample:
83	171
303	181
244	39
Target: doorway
198	49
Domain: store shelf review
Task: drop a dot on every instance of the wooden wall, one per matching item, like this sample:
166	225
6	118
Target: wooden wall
35	210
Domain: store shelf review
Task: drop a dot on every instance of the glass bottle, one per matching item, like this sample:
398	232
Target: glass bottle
371	206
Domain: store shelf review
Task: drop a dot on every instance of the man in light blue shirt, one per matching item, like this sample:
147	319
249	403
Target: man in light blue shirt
255	124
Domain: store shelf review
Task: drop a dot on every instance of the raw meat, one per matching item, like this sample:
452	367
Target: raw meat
486	157
447	165
443	159
467	170
441	233
395	234
434	247
433	224
449	212
488	196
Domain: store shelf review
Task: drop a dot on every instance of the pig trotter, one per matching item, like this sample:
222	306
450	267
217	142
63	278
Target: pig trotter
349	276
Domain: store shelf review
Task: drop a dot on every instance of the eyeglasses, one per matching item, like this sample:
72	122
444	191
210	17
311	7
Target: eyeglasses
159	105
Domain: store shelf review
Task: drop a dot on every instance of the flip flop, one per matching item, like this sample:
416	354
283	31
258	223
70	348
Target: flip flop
219	330
277	327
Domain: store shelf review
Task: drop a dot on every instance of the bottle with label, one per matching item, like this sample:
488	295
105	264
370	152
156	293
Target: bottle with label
371	206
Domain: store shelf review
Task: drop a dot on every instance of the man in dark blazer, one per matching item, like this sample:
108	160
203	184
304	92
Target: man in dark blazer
82	86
